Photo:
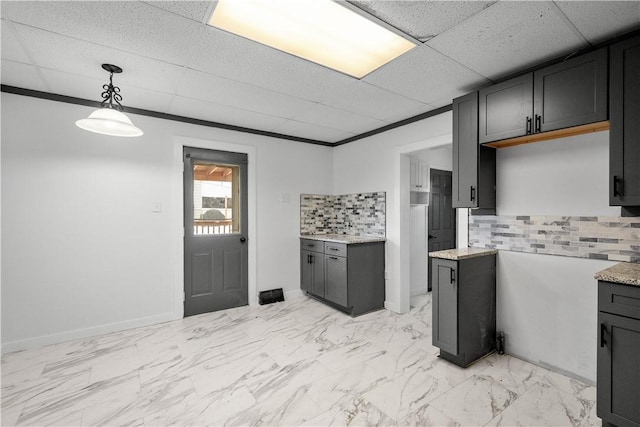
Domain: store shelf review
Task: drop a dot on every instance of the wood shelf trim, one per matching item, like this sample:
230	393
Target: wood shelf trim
545	136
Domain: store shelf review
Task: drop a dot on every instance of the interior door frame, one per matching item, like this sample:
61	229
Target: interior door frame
177	213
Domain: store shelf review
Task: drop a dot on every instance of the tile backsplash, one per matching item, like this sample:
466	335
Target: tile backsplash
601	237
361	214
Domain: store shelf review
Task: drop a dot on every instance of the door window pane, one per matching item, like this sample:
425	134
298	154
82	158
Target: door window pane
216	190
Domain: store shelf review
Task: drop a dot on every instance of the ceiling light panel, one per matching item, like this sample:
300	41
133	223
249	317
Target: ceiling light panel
321	31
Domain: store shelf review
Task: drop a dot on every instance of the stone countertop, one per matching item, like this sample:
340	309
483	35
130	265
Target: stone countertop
462	253
626	273
341	238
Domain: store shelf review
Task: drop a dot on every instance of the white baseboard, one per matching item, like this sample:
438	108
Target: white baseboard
41	341
392	306
416	292
296	293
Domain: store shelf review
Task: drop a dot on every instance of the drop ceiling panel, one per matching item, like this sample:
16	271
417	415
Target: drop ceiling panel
507	37
127	25
367	100
334	118
22	75
306	130
425	75
190	107
598	21
423	20
195	10
236	58
75	56
223	91
11	48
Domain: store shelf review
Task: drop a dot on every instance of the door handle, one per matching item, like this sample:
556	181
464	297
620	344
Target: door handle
538	122
308	259
473	193
431	237
243	239
528	125
603	331
452	278
334	258
618	186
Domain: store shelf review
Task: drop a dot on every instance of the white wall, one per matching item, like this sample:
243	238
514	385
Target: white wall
381	163
82	252
547	305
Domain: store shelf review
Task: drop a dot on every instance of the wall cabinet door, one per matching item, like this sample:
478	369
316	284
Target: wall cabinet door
445	304
571	93
336	279
505	109
624	136
465	151
618	369
474	166
419	178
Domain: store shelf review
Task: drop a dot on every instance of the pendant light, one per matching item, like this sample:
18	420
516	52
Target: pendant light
109	118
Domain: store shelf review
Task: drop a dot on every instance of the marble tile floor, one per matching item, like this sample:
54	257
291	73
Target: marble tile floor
298	362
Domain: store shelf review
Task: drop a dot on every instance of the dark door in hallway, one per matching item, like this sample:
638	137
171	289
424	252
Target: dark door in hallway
442	217
215	230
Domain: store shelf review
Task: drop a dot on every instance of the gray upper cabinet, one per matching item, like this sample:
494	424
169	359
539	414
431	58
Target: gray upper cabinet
567	94
474	166
624	143
505	109
571	93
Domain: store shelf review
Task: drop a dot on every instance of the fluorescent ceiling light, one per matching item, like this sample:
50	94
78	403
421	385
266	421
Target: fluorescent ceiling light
321	31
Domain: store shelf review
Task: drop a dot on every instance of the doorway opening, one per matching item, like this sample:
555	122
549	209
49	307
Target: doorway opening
432	220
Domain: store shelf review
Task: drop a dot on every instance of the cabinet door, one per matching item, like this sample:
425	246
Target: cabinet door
445	305
571	93
306	271
465	151
506	109
624	134
423	169
336	279
618	375
316	261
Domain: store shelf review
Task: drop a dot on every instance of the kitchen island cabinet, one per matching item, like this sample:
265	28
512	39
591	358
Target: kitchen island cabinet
464	303
344	272
618	376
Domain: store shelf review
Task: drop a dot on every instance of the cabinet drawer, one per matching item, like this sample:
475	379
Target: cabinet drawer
623	300
337	249
312	245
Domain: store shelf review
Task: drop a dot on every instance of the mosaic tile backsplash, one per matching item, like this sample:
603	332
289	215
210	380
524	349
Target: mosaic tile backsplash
601	237
362	214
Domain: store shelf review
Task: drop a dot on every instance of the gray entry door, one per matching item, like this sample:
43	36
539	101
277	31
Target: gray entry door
215	230
442	217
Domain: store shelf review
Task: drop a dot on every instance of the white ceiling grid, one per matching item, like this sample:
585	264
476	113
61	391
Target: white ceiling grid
174	63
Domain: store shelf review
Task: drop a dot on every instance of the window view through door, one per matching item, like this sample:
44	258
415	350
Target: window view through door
215	199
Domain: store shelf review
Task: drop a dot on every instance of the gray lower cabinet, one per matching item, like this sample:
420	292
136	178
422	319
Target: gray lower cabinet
349	277
618	377
312	266
464	308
